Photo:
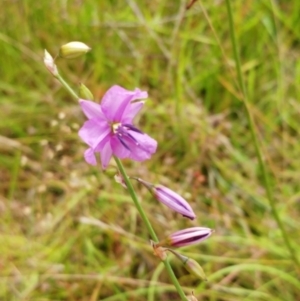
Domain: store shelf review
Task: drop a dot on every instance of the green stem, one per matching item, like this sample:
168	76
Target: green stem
135	200
149	226
66	85
259	155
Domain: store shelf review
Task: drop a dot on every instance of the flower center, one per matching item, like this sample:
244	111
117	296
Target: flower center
115	127
123	133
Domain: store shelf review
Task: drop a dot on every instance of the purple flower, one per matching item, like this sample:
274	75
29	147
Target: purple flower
186	237
109	130
171	199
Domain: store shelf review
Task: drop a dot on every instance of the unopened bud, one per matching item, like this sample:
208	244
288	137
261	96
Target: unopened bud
73	49
186	237
195	268
170	198
191	265
85	93
49	63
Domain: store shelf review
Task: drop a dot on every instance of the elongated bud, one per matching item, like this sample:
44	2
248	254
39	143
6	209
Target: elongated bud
170	198
195	268
186	237
85	93
49	63
191	265
73	49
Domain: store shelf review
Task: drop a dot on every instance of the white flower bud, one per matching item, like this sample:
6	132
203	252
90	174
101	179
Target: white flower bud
49	63
73	49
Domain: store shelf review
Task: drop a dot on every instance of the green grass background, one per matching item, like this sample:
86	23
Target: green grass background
67	230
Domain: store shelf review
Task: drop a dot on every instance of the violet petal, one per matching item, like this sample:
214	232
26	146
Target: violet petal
91	109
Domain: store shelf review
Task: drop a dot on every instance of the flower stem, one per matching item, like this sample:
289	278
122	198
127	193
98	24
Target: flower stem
149	227
66	85
266	179
135	200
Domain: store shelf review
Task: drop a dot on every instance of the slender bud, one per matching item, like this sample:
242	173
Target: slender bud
195	268
191	265
49	63
170	198
73	49
85	93
187	237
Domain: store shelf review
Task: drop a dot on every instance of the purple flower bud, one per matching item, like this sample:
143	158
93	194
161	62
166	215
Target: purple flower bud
171	199
189	236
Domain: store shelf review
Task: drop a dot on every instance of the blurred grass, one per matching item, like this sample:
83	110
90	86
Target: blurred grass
68	232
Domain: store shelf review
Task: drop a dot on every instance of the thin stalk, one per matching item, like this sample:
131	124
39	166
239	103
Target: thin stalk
265	175
135	200
149	226
66	85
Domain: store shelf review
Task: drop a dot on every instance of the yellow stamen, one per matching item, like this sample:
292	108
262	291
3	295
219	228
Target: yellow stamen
115	127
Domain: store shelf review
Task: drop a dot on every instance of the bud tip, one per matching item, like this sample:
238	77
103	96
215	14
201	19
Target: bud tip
49	63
